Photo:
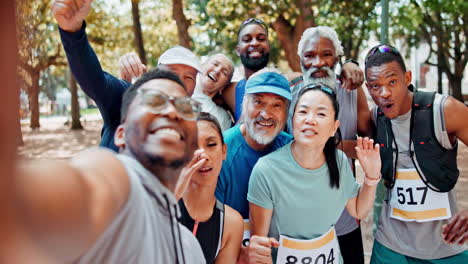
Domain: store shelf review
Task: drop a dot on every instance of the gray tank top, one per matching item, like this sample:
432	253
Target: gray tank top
146	230
419	240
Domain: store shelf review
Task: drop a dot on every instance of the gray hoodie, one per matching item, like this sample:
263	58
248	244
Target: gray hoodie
146	230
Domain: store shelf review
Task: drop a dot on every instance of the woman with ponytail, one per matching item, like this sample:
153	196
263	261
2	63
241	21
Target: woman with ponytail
298	192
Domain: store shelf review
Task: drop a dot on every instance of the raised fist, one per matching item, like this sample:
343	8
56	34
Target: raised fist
70	14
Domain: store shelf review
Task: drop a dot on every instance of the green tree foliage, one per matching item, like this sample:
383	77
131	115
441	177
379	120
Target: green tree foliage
218	21
354	22
442	25
110	30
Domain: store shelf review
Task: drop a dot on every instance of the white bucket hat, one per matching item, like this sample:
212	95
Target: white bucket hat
180	55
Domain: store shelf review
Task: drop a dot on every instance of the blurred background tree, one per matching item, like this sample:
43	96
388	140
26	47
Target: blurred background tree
148	27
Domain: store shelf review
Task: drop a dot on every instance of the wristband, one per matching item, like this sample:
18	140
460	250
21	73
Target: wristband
372	182
351	60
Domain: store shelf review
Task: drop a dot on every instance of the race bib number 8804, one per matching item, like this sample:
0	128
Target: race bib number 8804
412	200
321	250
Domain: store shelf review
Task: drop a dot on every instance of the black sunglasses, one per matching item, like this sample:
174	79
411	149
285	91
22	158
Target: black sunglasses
382	49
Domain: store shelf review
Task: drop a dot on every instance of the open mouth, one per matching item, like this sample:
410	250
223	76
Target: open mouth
388	106
265	124
205	169
255	54
309	132
168	132
212	77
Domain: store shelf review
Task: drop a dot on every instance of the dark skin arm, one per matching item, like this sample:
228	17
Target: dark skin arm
63	206
9	122
456	114
229	95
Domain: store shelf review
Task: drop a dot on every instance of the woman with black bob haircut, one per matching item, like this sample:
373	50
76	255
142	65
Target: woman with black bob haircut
298	192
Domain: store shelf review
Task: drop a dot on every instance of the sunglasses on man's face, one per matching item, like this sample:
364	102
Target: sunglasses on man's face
381	49
157	101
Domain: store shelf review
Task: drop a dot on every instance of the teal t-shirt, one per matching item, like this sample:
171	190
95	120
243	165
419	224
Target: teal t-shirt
303	203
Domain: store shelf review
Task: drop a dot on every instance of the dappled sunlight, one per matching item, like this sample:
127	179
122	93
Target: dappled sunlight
55	140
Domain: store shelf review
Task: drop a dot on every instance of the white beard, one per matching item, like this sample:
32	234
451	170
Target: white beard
260	137
329	81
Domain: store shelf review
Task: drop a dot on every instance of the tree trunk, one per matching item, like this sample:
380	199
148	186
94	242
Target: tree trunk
75	105
137	31
285	33
289	35
19	133
439	80
455	85
34	101
182	23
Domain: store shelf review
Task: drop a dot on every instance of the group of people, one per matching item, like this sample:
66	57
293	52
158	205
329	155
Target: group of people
195	168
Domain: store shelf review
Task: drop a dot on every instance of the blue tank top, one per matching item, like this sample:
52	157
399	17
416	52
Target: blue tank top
240	91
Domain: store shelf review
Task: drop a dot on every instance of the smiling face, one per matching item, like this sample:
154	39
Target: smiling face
314	119
214	151
264	116
218	71
187	75
318	61
253	47
158	139
388	87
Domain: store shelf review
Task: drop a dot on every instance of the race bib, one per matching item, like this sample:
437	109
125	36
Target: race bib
246	238
321	250
412	200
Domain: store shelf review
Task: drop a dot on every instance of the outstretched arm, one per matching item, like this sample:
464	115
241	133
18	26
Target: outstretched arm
65	205
369	157
105	89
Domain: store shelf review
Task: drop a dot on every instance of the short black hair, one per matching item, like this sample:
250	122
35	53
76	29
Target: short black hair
204	116
131	92
380	58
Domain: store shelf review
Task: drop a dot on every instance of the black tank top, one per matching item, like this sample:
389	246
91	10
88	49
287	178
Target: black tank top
210	233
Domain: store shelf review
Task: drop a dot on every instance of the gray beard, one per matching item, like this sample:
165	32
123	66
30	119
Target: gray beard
329	81
259	137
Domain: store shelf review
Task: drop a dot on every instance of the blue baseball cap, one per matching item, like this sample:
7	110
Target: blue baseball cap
269	82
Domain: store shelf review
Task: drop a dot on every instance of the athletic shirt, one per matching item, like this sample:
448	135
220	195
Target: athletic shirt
240	91
418	240
348	127
233	180
210	233
303	203
146	228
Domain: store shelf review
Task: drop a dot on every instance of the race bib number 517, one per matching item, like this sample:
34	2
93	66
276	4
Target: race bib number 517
412	200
